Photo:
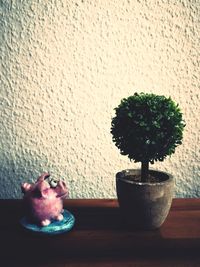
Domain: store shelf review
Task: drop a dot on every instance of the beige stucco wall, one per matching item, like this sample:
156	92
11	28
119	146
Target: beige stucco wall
65	65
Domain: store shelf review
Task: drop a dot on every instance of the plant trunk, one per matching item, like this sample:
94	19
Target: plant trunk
144	171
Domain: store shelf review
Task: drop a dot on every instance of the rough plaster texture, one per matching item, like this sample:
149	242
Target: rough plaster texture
65	65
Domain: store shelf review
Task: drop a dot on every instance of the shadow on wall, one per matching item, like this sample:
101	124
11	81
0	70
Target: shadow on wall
13	172
9	181
26	166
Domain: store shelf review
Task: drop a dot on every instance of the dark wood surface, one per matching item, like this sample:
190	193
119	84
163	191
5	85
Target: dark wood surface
100	238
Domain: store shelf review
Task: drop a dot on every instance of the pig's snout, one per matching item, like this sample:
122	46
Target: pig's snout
62	184
62	189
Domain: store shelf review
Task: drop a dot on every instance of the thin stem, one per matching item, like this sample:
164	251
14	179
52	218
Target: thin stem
144	171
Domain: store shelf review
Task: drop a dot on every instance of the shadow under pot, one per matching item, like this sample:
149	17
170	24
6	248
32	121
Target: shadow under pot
144	205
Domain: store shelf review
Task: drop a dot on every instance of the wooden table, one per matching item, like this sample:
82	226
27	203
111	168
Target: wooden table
100	238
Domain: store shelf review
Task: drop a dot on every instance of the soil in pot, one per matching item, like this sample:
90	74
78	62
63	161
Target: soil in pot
137	178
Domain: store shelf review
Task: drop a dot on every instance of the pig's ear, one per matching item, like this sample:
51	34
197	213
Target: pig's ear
43	176
25	187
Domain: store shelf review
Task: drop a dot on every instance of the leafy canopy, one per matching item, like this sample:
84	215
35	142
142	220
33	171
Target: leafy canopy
147	127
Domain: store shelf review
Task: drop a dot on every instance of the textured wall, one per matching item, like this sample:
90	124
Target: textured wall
65	65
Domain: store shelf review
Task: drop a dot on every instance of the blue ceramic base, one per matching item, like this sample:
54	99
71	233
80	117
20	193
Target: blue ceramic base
55	227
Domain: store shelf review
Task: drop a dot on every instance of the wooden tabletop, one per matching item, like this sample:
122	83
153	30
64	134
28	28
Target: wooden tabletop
100	238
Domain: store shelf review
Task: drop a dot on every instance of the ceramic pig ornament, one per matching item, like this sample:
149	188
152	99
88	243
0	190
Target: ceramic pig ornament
44	199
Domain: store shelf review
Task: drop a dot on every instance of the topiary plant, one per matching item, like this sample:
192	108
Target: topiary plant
147	128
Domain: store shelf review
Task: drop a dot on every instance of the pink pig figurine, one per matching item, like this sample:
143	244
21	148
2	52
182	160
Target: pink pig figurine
44	199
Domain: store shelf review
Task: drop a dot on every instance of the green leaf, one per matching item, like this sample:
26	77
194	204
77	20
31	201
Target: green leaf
147	126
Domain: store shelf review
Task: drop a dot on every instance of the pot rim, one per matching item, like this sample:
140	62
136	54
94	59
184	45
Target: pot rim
126	171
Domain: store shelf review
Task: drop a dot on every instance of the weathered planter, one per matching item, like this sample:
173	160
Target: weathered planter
144	205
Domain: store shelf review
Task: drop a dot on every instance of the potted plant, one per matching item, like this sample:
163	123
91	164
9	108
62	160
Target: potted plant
146	128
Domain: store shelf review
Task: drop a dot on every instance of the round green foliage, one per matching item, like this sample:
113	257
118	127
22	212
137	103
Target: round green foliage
147	127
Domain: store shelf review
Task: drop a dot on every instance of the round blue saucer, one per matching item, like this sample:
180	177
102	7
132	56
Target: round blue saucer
55	227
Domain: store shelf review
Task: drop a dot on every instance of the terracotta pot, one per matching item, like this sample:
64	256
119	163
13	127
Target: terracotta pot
144	205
